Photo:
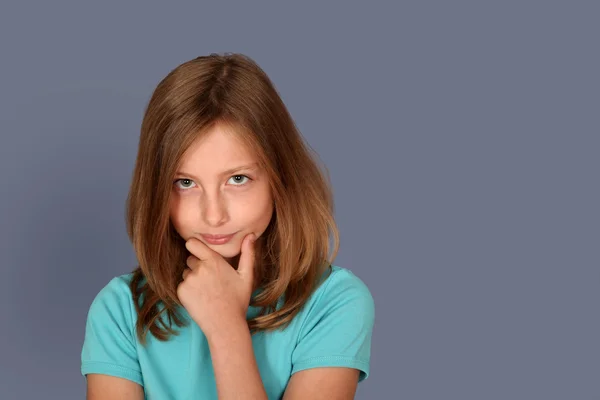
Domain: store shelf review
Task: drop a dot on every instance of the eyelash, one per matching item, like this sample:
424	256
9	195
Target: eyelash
186	179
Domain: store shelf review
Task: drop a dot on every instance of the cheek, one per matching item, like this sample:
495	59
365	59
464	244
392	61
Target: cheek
173	216
255	213
264	214
179	215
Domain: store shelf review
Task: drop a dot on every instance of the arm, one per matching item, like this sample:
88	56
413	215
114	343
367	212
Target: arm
105	387
217	297
109	357
333	350
333	342
328	383
237	375
236	372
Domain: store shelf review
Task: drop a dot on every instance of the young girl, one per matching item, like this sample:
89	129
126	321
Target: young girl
235	295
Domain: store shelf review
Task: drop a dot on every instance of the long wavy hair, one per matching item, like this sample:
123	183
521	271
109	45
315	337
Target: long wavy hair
302	239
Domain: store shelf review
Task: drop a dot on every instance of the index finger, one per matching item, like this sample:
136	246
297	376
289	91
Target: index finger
199	249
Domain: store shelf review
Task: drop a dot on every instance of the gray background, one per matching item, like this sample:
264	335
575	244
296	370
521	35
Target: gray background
462	139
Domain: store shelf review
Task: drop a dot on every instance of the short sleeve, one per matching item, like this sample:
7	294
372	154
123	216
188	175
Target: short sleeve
338	327
109	345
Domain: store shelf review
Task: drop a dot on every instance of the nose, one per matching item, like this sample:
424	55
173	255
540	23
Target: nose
214	209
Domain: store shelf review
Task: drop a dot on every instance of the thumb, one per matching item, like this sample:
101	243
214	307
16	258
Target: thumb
246	262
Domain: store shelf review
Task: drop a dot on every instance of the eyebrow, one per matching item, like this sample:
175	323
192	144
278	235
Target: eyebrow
228	172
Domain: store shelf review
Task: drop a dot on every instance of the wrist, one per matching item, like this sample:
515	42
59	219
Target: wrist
226	331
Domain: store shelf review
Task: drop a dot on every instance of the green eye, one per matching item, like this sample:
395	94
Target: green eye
186	182
239	180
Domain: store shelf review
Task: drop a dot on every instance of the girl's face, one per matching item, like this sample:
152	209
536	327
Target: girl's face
220	190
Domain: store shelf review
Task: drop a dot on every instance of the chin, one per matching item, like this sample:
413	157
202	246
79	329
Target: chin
228	250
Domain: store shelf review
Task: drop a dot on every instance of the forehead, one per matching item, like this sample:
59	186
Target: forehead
217	149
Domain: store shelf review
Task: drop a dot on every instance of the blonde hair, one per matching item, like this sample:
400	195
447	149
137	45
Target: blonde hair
295	250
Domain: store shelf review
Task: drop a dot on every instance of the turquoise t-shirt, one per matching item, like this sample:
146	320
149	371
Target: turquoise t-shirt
333	330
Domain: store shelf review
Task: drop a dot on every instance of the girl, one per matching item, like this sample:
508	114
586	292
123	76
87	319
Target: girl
235	295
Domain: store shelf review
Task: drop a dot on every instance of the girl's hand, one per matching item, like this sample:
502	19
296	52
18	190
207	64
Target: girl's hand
214	294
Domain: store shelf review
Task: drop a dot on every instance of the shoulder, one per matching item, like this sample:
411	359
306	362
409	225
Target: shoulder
116	290
339	292
336	324
344	278
110	343
114	300
342	284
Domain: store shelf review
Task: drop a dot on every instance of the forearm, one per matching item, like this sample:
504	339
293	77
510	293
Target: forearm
236	372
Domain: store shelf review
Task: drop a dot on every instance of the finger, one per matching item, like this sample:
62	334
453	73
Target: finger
199	249
246	262
192	262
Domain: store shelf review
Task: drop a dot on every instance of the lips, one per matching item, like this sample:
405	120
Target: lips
217	239
216	236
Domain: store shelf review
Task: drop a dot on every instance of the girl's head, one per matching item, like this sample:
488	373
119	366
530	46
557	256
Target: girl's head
206	118
221	188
